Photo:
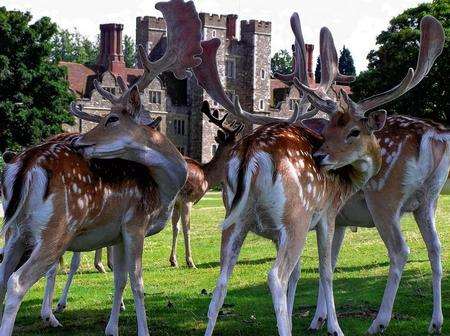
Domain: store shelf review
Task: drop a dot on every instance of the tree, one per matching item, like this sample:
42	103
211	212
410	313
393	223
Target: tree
34	94
281	62
129	51
73	47
397	51
317	73
346	64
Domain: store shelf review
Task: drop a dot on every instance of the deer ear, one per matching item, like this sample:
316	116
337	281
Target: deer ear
315	124
376	120
134	98
205	106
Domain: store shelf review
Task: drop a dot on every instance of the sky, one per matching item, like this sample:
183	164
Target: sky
354	23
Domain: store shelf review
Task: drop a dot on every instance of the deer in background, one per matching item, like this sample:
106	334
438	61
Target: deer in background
201	178
286	179
122	188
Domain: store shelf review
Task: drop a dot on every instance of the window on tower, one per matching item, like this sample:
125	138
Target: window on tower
292	103
155	97
230	68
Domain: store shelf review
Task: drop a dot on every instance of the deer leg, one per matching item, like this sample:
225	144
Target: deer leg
289	248
387	222
186	223
40	261
46	311
109	257
134	245
325	234
98	261
321	309
74	264
12	254
232	240
425	218
120	281
175	230
292	287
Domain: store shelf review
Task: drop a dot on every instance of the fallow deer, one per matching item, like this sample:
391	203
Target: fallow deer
121	189
286	179
201	178
415	165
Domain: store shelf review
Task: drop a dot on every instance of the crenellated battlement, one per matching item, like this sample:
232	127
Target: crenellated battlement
214	20
151	22
256	26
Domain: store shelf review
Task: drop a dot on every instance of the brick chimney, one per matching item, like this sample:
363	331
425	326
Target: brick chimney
111	54
309	61
231	26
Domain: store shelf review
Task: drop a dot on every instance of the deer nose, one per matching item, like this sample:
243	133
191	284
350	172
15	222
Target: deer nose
78	144
319	157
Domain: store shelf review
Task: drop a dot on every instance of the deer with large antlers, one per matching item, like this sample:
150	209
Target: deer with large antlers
286	178
120	189
415	165
201	178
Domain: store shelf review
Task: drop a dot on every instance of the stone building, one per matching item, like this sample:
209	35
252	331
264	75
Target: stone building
244	69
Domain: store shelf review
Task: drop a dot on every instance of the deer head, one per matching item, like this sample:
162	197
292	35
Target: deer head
124	133
226	135
348	137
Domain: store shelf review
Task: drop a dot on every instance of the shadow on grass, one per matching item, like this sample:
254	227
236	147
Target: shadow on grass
214	264
249	311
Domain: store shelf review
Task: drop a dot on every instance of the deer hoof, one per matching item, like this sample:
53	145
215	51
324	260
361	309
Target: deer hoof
60	307
51	321
100	267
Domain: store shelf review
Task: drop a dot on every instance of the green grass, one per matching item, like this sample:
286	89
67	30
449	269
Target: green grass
175	305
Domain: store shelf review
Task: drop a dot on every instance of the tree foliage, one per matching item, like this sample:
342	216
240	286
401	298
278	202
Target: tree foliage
318	73
346	64
73	47
34	94
397	51
129	51
281	62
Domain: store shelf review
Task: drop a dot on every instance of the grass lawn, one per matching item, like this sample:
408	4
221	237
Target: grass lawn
175	305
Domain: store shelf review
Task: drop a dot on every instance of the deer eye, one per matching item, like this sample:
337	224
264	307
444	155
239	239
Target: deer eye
111	119
354	133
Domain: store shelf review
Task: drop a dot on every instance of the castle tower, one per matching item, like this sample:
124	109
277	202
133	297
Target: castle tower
111	53
256	64
149	30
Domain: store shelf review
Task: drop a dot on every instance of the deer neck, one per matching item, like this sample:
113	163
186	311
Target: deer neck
168	171
365	168
215	169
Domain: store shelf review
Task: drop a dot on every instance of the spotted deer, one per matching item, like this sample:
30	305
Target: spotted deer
111	186
415	165
201	178
286	178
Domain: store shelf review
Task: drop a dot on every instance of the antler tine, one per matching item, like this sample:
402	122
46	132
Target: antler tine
208	78
123	86
106	94
219	122
432	41
299	52
329	73
75	111
183	42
